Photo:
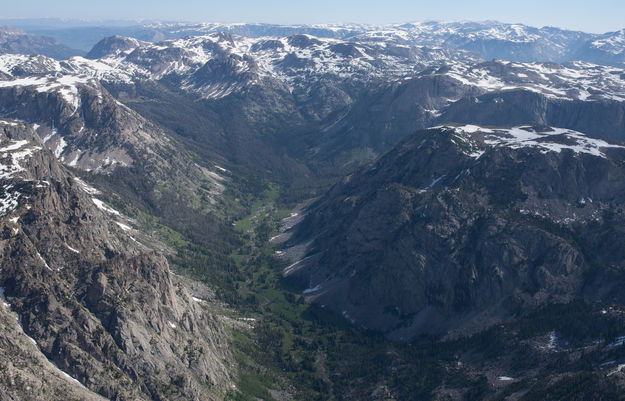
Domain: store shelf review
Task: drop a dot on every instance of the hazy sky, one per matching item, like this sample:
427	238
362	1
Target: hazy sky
587	15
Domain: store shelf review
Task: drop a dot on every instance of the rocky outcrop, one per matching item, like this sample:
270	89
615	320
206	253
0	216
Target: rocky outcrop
458	228
103	307
26	374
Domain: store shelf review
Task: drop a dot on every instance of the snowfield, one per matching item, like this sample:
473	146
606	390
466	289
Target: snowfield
547	140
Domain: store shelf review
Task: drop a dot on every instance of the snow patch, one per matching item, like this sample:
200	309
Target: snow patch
66	375
15	146
289	268
9	201
65	85
3	298
86	187
72	249
44	261
619	341
123	226
10	163
575	80
553	340
311	290
617	370
102	206
434	182
200	300
60	147
548	140
470	129
348	317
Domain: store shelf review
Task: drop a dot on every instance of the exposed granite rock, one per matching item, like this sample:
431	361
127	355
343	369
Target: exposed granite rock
102	306
26	374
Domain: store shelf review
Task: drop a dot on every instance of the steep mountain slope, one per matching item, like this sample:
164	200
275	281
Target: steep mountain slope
26	373
460	227
16	41
578	96
457	229
215	65
97	302
133	158
77	117
248	94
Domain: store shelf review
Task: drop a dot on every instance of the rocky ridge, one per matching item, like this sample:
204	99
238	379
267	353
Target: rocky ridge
99	304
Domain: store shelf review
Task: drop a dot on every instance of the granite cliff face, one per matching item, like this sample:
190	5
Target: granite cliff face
98	303
460	227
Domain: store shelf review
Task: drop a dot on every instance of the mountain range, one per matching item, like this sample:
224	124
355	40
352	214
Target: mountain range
325	89
489	39
227	211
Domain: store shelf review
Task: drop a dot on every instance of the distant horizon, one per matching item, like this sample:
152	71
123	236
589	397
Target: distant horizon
599	16
86	22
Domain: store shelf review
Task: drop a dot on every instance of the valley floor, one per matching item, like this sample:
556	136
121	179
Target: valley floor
289	349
